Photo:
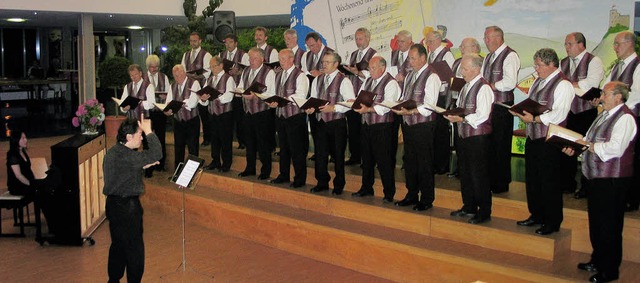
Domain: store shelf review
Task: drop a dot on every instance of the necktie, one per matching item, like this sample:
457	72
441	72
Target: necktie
620	69
327	80
374	83
401	59
252	75
285	75
230	56
463	95
573	64
431	57
193	55
152	80
603	116
215	80
359	56
541	84
135	89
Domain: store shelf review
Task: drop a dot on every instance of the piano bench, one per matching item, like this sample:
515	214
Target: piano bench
17	204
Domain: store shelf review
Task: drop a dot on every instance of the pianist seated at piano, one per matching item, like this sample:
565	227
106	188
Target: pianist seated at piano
20	178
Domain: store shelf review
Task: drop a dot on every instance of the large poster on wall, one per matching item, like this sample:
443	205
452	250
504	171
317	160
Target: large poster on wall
528	26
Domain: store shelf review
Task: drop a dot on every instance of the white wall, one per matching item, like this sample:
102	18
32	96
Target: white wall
148	7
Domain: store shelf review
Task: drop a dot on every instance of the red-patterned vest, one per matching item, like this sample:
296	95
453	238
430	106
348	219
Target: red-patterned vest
184	114
197	63
372	117
469	102
494	73
627	78
309	57
254	106
416	92
332	94
215	107
545	97
286	91
355	80
580	73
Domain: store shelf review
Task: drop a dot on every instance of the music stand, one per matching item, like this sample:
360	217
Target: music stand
186	176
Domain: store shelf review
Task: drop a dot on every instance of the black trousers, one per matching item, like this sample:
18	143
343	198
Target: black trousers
544	195
186	133
606	205
259	131
442	145
159	126
313	126
579	123
418	161
293	139
127	245
473	164
354	121
205	118
221	128
238	118
330	137
378	149
633	192
500	137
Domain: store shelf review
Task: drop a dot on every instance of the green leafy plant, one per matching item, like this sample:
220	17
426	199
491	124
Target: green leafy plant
112	73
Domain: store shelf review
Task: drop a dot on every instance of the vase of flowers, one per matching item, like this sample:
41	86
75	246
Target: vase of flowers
89	117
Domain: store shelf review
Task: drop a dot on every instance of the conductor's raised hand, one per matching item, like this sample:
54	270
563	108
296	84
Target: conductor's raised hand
145	125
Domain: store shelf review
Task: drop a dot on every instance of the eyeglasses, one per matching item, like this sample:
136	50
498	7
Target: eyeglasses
328	62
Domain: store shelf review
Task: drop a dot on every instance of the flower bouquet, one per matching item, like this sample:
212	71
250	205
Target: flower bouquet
89	115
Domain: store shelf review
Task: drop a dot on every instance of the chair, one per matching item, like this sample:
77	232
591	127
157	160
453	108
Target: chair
17	204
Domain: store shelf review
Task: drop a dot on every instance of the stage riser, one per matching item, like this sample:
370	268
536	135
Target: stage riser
521	242
385	259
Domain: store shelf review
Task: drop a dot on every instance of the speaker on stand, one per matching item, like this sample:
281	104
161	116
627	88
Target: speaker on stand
224	22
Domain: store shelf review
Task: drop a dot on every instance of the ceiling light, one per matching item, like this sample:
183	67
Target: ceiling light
134	27
16	20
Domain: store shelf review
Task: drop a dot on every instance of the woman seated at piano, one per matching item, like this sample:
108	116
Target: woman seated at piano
20	178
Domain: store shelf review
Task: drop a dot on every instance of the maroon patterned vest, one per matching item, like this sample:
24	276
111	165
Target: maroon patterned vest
578	105
286	91
198	63
443	99
237	57
254	106
456	66
440	55
371	118
416	92
469	102
545	97
403	69
355	80
215	107
318	65
297	58
494	73
184	114
267	53
160	82
593	166
142	95
627	78
332	94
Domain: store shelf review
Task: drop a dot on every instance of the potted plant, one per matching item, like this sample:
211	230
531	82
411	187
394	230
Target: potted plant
113	74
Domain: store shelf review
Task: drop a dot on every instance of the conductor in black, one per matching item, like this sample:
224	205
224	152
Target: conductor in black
123	169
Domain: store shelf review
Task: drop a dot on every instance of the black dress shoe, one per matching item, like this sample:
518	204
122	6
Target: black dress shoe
351	162
406	202
279	180
462	213
205	143
546	230
211	166
263	177
224	169
317	189
336	192
528	222
422	207
580	194
246	173
631	207
588	266
313	157
477	219
362	193
441	171
296	185
603	277
241	146
387	200
277	153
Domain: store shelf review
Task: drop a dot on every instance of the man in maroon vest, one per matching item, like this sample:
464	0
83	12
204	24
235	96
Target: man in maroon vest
421	85
158	120
628	72
584	71
236	55
542	160
607	166
363	54
500	68
291	122
473	144
334	87
442	142
260	36
259	128
399	58
198	59
138	88
221	116
378	137
186	123
291	41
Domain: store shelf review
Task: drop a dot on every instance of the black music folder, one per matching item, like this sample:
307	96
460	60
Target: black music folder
365	98
227	65
282	102
534	108
174	106
196	72
130	101
457	84
443	70
563	137
255	87
362	65
273	65
407	104
214	93
309	103
590	94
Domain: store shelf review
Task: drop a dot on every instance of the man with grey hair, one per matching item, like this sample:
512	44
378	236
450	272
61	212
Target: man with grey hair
158	120
291	41
584	70
542	160
186	123
399	63
607	166
363	54
628	72
500	68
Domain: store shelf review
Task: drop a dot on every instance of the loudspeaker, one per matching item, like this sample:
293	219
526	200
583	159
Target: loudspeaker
224	22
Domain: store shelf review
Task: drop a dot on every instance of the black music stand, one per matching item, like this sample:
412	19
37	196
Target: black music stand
186	176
